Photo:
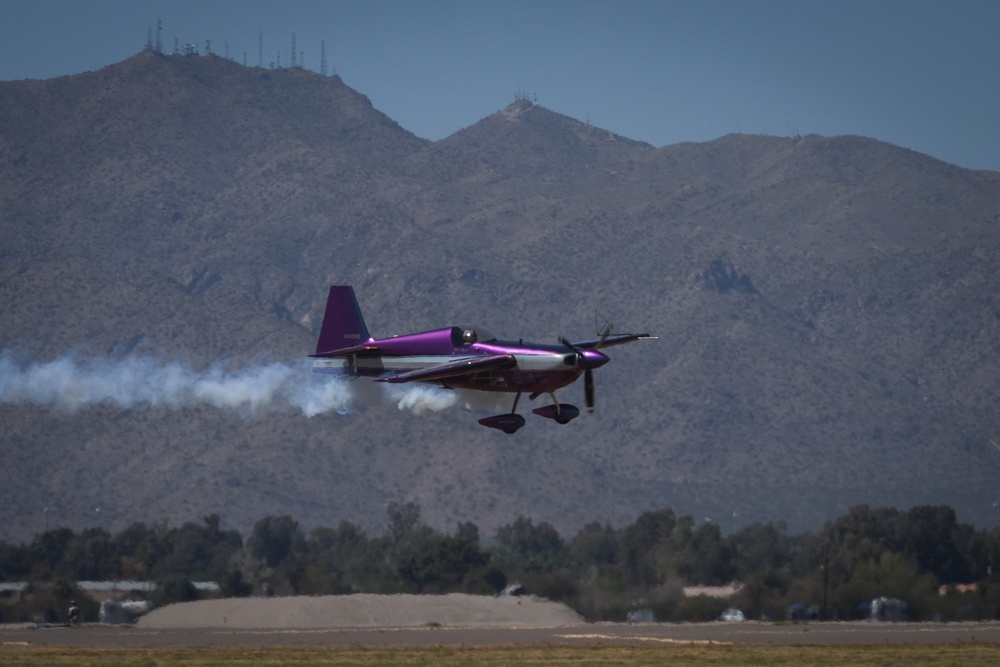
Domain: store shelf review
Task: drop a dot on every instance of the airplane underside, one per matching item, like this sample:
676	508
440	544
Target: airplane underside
517	382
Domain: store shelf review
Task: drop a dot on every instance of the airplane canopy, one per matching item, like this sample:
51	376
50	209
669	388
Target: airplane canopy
465	336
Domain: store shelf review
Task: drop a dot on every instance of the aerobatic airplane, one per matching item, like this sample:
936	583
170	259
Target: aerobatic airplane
461	357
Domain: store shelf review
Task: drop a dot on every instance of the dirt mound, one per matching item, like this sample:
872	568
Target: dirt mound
363	611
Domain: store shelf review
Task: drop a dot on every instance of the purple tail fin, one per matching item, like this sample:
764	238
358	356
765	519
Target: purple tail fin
343	325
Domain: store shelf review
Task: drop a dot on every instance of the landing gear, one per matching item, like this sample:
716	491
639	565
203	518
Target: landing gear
561	413
508	423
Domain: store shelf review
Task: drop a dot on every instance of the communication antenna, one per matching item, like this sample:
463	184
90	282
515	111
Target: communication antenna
260	49
293	50
149	39
177	46
322	57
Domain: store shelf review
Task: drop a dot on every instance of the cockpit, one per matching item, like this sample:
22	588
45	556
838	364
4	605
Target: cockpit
466	336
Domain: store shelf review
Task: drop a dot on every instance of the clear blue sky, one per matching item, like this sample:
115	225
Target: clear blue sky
923	75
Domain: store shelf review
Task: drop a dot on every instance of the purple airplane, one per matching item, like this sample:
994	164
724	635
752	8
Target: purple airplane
461	358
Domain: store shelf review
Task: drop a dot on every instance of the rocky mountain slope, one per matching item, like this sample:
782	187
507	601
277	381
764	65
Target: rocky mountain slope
828	308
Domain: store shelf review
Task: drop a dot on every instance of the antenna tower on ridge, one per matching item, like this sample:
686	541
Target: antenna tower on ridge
322	57
159	30
293	50
260	49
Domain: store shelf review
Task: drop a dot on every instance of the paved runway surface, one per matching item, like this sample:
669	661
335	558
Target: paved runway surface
606	633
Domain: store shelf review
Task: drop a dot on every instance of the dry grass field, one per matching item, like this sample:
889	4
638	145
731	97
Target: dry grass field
966	655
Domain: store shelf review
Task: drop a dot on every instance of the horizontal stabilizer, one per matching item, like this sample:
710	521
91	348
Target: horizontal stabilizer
347	351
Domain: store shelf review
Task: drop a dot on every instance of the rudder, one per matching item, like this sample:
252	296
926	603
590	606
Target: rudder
343	325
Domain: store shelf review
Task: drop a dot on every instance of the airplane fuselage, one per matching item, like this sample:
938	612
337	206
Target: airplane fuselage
535	368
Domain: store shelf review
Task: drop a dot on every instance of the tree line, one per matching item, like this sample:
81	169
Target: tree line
602	572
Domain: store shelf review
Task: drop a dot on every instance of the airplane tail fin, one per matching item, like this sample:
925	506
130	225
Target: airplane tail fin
343	325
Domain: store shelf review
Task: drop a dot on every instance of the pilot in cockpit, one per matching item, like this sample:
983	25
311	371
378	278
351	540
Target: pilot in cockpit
469	337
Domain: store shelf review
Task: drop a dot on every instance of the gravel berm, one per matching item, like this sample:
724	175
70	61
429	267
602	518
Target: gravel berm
363	611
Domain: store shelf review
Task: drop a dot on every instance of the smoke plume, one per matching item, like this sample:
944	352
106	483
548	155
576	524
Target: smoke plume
421	398
72	383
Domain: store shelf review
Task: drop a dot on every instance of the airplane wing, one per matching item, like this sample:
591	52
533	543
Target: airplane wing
453	369
608	341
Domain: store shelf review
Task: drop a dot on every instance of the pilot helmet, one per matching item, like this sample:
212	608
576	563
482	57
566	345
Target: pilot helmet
469	336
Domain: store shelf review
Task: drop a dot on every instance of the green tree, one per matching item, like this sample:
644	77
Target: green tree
92	556
991	556
413	559
523	547
139	547
642	545
892	576
595	545
468	531
347	550
761	547
935	541
48	551
192	550
276	540
15	561
464	566
705	557
403	519
233	585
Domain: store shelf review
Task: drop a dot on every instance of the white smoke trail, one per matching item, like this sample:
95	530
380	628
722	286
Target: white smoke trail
420	399
72	384
488	401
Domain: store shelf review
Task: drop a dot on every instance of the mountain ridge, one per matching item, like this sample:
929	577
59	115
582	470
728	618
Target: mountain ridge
825	306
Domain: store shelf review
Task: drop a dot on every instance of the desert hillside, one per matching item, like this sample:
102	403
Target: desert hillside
827	310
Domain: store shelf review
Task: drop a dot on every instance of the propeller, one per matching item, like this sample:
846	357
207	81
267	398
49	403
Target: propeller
588	389
588	376
588	365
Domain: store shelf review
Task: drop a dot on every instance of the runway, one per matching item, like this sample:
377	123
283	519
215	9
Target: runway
749	633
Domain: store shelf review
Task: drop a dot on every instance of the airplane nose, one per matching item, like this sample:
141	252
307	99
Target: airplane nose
591	359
